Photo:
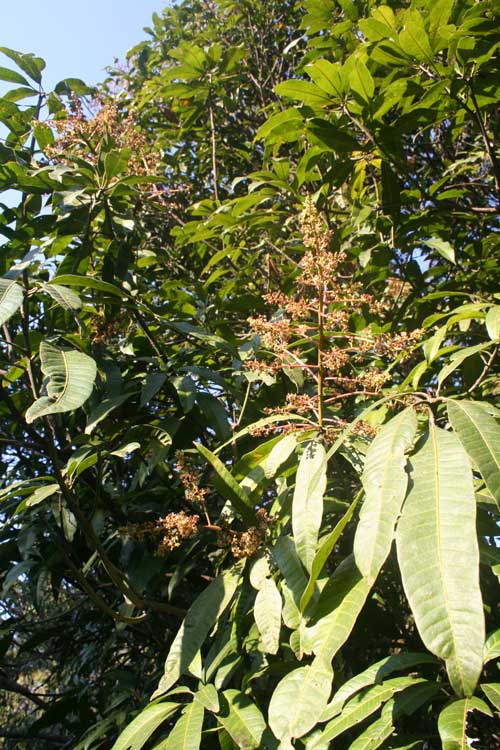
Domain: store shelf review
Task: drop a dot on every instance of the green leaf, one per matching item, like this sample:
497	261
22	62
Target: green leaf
376	733
227	485
12	76
88	282
361	81
361	706
136	734
38	496
286	558
11	299
208	697
492	646
267	613
324	551
103	409
374	674
44	135
303	91
384	480
452	722
242	720
28	63
328	76
307	505
443	247
63	296
457	358
439	557
263	463
492	692
201	615
492	322
337	610
71	377
414	39
116	161
480	436
299	699
186	734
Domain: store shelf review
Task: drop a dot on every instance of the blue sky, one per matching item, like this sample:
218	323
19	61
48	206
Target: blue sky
76	39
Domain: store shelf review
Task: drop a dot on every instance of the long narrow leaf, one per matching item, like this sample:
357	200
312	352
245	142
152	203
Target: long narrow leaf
439	557
337	610
384	481
480	436
374	674
228	486
307	506
323	553
452	722
136	734
202	614
186	734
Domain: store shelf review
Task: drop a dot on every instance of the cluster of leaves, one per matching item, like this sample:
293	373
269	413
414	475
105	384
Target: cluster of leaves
250	327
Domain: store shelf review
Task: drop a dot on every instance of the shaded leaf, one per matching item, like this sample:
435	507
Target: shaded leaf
11	299
71	376
136	734
202	614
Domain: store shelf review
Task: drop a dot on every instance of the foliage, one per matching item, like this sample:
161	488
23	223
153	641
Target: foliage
250	328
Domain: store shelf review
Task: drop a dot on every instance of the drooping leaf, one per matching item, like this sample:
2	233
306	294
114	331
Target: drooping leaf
492	646
439	557
38	496
186	734
492	322
299	699
208	697
492	692
11	299
65	297
374	735
285	556
136	734
325	549
242	720
202	614
228	486
374	674
307	506
361	707
337	610
452	722
480	436
71	377
303	91
384	481
267	613
103	410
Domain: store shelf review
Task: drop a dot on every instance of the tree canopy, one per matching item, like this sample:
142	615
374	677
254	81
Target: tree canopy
250	322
